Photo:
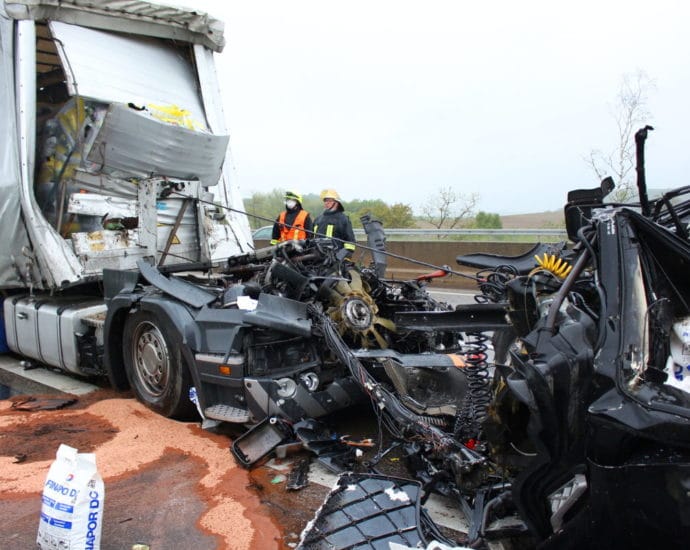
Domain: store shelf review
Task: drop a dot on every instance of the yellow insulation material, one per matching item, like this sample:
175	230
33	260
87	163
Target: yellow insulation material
172	114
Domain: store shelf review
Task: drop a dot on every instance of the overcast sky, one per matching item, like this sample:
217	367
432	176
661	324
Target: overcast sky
395	99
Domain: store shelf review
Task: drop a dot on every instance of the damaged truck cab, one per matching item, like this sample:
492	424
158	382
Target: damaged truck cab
127	252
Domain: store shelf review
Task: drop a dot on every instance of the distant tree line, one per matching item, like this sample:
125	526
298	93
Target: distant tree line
486	220
446	210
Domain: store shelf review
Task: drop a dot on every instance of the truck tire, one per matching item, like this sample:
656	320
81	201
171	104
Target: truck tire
155	367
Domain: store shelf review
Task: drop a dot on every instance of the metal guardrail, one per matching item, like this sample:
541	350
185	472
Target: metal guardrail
556	232
559	232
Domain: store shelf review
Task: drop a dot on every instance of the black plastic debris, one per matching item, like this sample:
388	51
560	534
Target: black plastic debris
298	477
367	511
256	443
334	454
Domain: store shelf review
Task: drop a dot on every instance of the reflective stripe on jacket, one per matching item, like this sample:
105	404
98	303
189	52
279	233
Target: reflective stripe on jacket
335	225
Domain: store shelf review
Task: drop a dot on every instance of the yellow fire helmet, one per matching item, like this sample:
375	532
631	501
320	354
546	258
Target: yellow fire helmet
293	195
331	194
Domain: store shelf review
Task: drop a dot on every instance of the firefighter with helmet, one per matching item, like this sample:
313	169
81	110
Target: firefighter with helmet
293	223
334	223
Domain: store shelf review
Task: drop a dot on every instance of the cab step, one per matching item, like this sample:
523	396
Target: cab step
227	413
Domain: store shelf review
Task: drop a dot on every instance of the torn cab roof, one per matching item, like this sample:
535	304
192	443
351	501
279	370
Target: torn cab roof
131	16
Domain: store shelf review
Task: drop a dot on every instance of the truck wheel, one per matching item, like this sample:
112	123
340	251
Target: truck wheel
155	368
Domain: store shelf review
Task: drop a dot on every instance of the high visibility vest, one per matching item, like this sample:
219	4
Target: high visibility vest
295	232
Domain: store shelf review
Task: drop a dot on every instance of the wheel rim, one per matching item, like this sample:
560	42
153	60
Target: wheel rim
151	359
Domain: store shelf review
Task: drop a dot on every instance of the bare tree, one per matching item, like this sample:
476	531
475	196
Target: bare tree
630	112
447	208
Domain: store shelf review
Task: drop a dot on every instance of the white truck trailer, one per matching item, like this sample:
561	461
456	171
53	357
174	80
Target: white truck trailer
114	148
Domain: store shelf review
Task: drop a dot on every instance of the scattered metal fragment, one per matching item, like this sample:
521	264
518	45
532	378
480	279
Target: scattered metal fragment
43	403
366	442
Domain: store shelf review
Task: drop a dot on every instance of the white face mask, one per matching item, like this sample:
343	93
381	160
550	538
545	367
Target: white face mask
290	204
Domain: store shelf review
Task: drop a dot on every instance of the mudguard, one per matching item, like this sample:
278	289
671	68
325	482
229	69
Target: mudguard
177	314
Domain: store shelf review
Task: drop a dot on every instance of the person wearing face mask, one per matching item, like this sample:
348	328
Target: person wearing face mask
293	223
333	222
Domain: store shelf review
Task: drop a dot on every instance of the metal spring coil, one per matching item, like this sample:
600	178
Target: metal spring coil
493	283
434	421
468	421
